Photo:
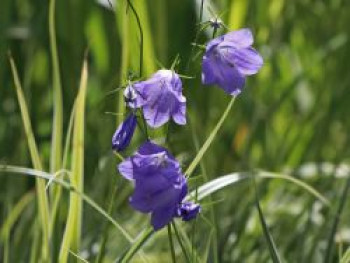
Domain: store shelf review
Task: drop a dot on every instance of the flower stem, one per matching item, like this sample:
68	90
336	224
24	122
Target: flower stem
141	35
171	243
201	11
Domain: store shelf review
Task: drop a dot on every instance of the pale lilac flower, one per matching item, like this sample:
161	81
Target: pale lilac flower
229	59
161	98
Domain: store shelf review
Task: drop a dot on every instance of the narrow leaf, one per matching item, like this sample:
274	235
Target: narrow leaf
272	247
71	238
209	140
43	202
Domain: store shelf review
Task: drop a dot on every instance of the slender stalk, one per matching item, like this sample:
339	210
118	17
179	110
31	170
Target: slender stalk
201	11
335	224
180	242
136	246
56	154
210	139
211	209
171	244
137	17
141	35
105	233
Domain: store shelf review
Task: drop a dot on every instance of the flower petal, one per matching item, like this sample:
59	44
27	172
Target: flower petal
157	110
126	169
247	60
229	79
241	38
162	216
208	69
179	113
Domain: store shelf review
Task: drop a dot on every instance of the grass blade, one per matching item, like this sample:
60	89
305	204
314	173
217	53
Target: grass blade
71	238
336	220
226	180
56	143
69	187
346	257
43	202
137	245
16	211
272	247
209	140
296	181
215	185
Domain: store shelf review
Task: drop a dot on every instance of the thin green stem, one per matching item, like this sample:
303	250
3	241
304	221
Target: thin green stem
180	242
335	224
209	140
201	11
171	244
105	234
141	35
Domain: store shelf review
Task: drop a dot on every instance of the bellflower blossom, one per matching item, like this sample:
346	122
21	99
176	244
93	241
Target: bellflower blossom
160	97
159	184
122	136
229	59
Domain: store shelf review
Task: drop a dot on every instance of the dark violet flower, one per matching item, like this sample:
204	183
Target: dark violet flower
229	59
161	98
159	184
122	136
188	211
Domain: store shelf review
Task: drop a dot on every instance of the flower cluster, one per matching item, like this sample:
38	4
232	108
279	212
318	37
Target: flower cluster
159	185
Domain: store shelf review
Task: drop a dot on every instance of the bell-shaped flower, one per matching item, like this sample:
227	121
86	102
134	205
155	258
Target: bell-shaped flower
161	98
122	136
159	184
229	59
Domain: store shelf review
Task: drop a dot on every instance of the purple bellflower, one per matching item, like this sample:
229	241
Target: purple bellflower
122	136
161	98
228	59
159	184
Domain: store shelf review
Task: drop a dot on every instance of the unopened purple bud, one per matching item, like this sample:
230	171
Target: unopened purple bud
188	210
122	136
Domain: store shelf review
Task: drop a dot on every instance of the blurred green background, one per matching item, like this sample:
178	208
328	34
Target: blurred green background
293	116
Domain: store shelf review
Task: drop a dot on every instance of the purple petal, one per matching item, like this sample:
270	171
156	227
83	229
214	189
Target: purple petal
241	38
140	202
229	79
247	61
179	113
122	136
208	69
157	110
162	216
149	147
125	168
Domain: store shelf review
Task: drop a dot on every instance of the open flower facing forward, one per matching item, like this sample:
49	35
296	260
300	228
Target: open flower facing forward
159	184
160	97
122	136
228	59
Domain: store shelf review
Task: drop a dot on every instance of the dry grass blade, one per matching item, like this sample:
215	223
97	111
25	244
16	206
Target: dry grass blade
43	202
71	239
